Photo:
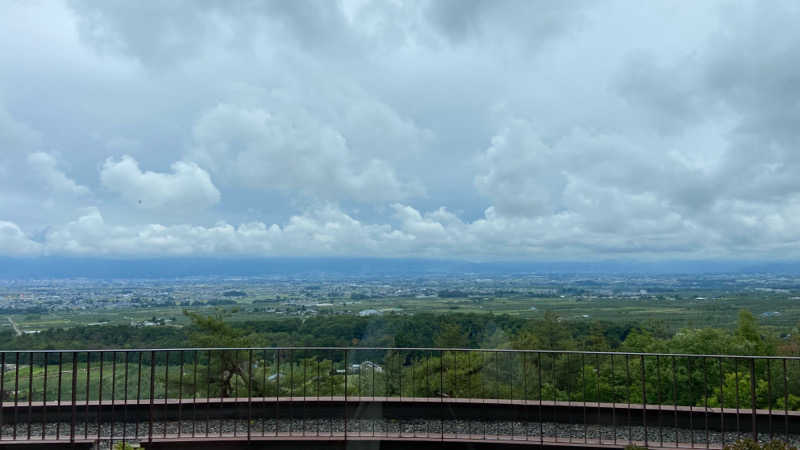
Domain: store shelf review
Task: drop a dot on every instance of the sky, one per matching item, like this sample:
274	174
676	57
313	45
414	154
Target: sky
457	129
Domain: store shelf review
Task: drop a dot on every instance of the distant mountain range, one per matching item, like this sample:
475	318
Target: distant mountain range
95	268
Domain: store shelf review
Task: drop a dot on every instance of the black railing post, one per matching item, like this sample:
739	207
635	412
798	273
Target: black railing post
180	394
16	395
138	393
613	400
722	400
785	402
567	397
769	396
30	392
345	394
753	398
44	396
125	402
2	391
660	401
58	400
99	394
166	391
208	393
195	355
540	419
441	393
249	391
88	386
113	393
738	397
152	395
597	399
628	382
74	403
644	400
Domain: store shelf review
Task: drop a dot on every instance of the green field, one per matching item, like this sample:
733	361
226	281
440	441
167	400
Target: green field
688	312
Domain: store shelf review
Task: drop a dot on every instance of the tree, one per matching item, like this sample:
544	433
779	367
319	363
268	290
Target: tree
526	340
750	338
225	368
553	334
451	336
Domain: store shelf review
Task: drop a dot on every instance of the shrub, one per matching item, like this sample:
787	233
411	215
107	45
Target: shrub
749	444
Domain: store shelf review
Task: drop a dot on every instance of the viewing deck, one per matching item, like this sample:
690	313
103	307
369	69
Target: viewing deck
361	397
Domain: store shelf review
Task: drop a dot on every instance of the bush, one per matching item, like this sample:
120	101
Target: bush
749	444
125	446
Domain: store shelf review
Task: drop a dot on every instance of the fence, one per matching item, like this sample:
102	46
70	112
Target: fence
516	396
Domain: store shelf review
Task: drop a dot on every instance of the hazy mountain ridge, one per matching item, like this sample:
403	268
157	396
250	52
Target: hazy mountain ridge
20	268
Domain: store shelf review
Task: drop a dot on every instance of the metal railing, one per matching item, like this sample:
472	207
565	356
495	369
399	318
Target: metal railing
517	396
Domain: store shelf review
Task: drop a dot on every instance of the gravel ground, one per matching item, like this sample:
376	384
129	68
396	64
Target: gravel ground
421	428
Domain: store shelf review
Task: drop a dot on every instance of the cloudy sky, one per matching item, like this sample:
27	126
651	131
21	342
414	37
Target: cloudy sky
487	130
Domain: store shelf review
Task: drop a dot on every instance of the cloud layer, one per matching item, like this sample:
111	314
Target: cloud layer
188	187
464	129
295	154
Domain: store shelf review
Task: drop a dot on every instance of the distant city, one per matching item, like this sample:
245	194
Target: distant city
43	303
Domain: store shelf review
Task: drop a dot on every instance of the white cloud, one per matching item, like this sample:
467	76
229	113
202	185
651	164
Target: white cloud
293	153
34	188
186	188
521	174
532	22
45	166
13	242
329	231
435	128
15	136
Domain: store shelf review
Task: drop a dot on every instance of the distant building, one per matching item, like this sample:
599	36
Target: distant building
369	312
367	366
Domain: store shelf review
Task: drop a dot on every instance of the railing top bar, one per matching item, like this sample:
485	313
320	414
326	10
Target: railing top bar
424	349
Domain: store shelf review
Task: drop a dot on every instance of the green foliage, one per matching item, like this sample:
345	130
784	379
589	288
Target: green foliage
730	395
526	340
745	340
123	446
226	372
214	331
749	444
552	332
637	379
451	336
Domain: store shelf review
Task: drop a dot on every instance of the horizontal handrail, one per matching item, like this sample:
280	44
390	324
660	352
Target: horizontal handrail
143	393
405	349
